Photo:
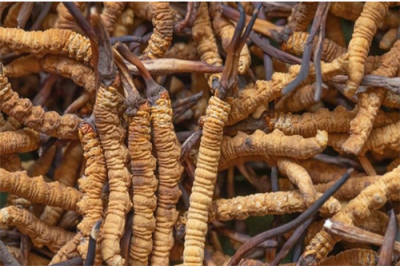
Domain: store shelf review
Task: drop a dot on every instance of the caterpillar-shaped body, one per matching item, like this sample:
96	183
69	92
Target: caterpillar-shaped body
91	183
144	185
205	177
161	38
52	41
37	190
111	133
40	233
170	169
35	117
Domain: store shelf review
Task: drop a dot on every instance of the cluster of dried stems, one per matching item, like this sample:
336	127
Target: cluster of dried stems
126	130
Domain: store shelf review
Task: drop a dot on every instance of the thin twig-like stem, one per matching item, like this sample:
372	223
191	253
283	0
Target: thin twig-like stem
291	241
91	254
42	15
6	258
354	234
24	14
385	256
317	56
305	64
242	238
274	52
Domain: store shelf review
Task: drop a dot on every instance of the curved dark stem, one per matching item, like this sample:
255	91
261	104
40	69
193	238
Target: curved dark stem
189	144
291	225
291	241
385	256
272	51
153	90
274	179
71	262
81	20
43	13
127	39
241	238
5	256
91	254
305	64
229	75
24	14
187	22
317	56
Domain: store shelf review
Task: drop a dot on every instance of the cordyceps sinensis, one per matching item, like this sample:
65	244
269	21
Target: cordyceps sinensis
144	184
163	24
91	183
40	233
302	15
265	146
35	117
78	72
168	153
240	208
210	147
143	166
370	101
36	190
110	14
107	110
264	91
364	30
225	30
354	213
204	38
52	41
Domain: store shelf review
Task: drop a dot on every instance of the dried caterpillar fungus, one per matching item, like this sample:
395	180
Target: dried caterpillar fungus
370	199
184	51
205	40
20	141
298	100
10	21
369	103
124	23
267	145
110	14
32	257
67	251
297	41
36	117
111	134
302	16
40	233
65	20
299	177
388	39
253	95
81	74
241	208
52	41
161	38
224	29
91	183
205	177
144	185
38	191
169	168
364	29
42	164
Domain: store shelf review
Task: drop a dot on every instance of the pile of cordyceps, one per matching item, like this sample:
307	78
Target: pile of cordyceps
199	133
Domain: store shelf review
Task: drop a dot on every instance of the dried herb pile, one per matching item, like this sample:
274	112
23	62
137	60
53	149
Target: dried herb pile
156	133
